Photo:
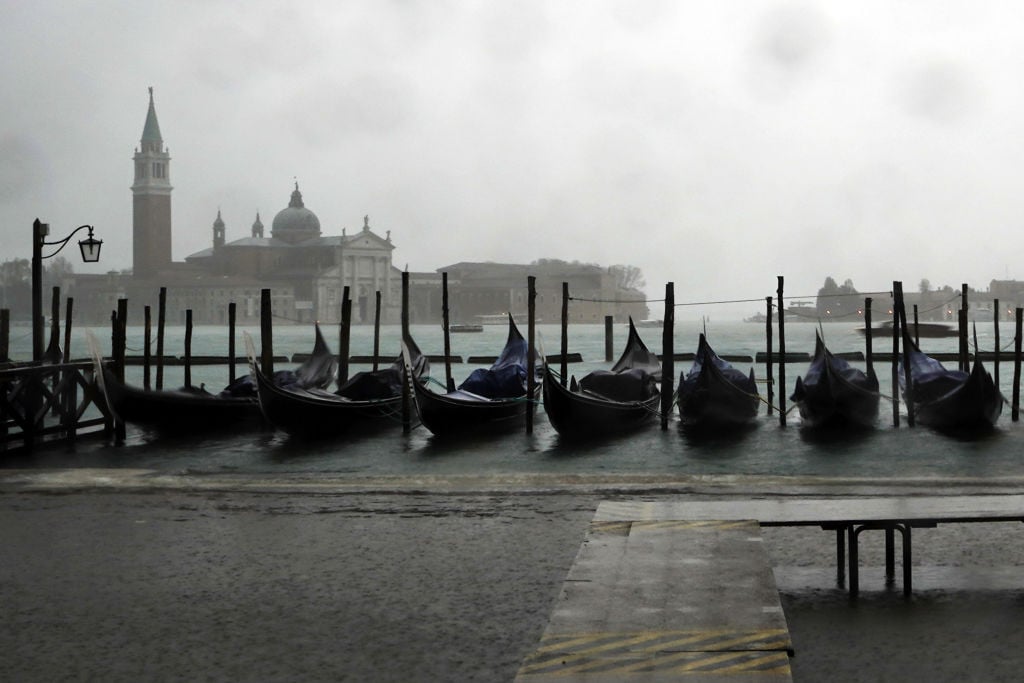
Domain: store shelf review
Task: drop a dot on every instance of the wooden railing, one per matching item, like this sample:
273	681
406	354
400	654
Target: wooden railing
49	403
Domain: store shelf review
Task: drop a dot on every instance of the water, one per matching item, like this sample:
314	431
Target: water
765	449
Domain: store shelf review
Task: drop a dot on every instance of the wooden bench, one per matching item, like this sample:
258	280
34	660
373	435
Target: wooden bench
847	517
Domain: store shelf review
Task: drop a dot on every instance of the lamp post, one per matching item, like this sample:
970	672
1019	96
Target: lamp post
90	248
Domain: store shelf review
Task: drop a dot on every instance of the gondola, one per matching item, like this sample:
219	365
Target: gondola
490	400
832	393
606	402
714	393
949	400
367	400
191	409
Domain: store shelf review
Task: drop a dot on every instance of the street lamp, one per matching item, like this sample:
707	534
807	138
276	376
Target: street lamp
90	248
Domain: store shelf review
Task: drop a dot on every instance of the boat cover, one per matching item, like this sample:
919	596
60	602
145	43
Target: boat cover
632	384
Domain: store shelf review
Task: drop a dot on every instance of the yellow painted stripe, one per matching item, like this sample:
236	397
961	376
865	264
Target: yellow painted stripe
698	524
580	653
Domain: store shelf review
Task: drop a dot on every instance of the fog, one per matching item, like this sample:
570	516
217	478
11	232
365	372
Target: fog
716	145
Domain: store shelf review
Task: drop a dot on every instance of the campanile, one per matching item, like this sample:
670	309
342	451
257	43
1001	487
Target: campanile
151	201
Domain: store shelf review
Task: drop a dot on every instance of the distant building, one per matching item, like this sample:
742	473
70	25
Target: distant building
481	292
307	271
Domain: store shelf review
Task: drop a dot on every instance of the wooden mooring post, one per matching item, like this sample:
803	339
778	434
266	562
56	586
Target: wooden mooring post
120	341
531	351
188	348
449	382
344	336
564	367
161	319
870	367
965	361
376	326
995	350
782	352
1015	406
609	340
146	346
901	323
897	289
406	374
232	311
266	334
769	372
668	354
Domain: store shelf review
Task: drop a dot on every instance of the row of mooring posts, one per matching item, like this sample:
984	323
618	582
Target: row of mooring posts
54	352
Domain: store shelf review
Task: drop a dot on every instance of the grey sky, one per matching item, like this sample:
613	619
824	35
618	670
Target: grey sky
712	144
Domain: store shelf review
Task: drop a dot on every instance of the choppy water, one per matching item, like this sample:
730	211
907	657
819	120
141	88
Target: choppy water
766	449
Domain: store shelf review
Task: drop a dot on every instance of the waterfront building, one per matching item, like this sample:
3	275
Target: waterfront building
308	271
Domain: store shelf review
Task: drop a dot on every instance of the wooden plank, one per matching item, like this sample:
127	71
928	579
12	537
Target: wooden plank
666	601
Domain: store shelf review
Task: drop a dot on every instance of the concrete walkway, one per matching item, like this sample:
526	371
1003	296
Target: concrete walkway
115	576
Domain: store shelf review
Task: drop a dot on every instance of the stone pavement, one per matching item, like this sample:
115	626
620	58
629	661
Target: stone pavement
127	576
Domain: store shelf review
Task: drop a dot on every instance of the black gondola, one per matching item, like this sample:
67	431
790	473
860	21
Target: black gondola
489	400
832	393
190	409
950	400
367	400
714	393
606	402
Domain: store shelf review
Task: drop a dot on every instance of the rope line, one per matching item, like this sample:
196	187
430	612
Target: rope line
723	301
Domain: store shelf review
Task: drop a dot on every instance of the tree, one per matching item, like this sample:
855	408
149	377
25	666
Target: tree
628	277
16	286
835	301
56	270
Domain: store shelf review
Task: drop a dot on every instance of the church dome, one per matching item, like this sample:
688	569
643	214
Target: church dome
295	223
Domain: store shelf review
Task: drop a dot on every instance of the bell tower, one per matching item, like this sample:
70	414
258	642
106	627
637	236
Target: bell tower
151	201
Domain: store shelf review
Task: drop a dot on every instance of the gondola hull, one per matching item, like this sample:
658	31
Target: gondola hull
178	411
607	403
577	415
833	395
714	394
951	400
308	413
368	401
458	412
489	401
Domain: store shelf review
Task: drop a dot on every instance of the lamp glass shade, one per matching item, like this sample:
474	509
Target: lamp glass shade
90	249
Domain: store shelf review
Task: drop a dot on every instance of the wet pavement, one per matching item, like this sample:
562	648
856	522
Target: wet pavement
131	575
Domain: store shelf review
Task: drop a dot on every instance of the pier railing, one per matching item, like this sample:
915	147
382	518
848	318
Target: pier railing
49	402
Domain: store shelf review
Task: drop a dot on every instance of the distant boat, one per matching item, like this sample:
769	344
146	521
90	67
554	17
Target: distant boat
919	329
651	323
465	327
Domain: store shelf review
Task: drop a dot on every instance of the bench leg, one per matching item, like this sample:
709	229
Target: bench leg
852	534
907	586
890	552
840	556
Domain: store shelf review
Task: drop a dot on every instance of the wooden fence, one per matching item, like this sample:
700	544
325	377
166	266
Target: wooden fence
49	402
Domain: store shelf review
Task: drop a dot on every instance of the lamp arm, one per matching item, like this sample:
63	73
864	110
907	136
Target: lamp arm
64	242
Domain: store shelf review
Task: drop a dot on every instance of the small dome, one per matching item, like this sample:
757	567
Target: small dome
295	223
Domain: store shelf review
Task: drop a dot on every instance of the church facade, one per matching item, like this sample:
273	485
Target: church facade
306	270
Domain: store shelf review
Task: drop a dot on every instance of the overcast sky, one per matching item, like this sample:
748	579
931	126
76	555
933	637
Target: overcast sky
713	144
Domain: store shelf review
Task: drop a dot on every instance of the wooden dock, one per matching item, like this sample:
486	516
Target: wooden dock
665	601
